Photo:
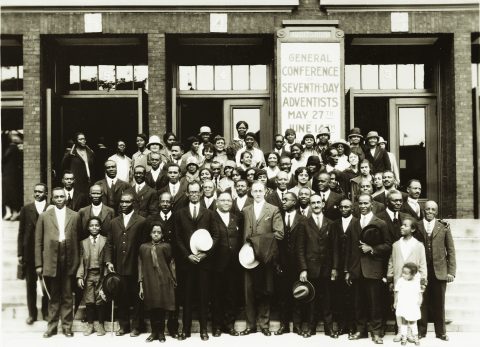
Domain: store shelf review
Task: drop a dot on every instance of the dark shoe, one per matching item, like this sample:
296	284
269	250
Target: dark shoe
88	330
50	333
377	340
282	330
152	337
357	336
217	333
161	338
182	336
422	336
334	334
248	331
120	332
266	332
68	333
297	331
204	336
233	332
173	334
442	337
135	333
306	334
312	331
30	320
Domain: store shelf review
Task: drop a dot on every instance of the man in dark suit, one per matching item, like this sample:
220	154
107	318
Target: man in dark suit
145	198
75	198
196	266
177	151
304	195
56	258
209	195
112	187
365	186
388	179
331	200
392	215
294	224
285	165
281	182
26	249
377	156
342	298
80	160
259	218
412	206
279	146
365	268
315	263
121	255
157	177
242	200
96	209
226	269
441	268
175	188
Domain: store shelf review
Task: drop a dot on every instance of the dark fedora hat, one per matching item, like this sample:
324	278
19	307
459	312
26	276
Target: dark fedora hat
355	132
303	292
112	285
371	235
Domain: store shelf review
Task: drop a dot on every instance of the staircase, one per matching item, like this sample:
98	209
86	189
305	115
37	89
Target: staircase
462	298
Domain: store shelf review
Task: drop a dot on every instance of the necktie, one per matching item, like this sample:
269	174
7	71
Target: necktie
173	190
194	212
303	212
69	199
94	240
395	218
323	198
165	217
138	188
283	195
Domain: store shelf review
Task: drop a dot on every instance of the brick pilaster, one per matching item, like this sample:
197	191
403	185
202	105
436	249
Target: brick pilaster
157	108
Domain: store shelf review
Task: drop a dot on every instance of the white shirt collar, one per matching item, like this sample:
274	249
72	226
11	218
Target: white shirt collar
139	187
126	218
292	216
326	194
168	215
391	214
69	191
346	222
40	206
368	217
96	209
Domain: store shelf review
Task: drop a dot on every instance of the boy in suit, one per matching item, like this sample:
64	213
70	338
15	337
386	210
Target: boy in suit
90	274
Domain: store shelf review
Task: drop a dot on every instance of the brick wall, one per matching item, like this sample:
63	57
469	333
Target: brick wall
157	111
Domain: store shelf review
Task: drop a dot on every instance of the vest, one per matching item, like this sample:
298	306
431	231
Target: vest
94	256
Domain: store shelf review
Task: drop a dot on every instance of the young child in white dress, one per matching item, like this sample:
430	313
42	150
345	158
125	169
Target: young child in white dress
408	298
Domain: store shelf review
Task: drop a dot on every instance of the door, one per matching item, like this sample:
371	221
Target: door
253	111
413	130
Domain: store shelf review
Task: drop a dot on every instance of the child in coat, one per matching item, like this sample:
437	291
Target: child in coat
408	298
90	274
157	280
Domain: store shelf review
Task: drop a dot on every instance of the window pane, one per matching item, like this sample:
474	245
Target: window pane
9	78
20	72
223	77
74	77
125	77
205	77
419	76
106	77
240	77
474	75
258	77
352	76
406	78
187	77
388	77
369	76
89	77
140	76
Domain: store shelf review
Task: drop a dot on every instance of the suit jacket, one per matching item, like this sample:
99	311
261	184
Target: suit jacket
236	210
162	180
274	199
145	202
315	249
79	200
213	205
380	160
180	199
168	228
288	246
406	208
26	232
185	226
46	242
73	161
396	261
85	249
292	182
393	229
368	265
382	197
441	256
269	221
229	240
106	215
339	237
309	213
377	207
111	197
330	210
123	244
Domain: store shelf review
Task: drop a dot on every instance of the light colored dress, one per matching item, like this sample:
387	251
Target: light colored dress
408	294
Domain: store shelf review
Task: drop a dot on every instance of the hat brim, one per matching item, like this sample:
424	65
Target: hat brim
193	245
352	135
154	143
311	291
249	265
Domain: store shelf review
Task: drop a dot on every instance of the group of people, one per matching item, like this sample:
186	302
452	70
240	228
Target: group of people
315	229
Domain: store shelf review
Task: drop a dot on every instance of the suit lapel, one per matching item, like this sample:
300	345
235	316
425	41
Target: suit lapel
132	221
436	229
68	218
101	243
54	218
262	212
86	247
295	221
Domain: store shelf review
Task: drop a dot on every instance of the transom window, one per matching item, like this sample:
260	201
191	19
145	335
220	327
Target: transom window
108	77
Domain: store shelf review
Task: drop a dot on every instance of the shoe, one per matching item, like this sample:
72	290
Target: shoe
442	337
266	332
120	332
30	320
312	332
377	340
217	333
306	334
183	336
68	333
247	331
397	338
416	340
357	336
297	331
135	332
100	330
50	333
422	336
282	330
334	334
204	336
233	332
151	337
88	330
161	338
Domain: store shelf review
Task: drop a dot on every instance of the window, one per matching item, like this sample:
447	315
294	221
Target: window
12	78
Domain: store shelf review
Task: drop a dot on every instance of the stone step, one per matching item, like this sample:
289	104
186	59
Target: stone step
460	312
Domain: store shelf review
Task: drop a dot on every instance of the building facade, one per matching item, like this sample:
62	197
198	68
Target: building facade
408	69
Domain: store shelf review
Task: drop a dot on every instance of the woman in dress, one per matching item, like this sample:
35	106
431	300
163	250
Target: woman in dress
273	158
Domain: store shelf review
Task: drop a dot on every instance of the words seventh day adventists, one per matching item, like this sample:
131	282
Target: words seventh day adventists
310	95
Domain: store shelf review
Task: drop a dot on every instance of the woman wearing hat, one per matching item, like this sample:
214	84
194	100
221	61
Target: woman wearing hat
375	154
226	181
343	149
155	146
308	143
355	139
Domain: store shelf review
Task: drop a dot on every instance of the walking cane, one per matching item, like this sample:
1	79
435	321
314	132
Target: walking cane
112	318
